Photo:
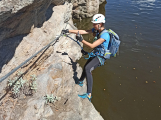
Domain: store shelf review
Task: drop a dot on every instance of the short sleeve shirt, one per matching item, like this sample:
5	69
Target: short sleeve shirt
104	36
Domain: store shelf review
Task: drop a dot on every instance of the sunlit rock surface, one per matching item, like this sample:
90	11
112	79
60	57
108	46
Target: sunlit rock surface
35	25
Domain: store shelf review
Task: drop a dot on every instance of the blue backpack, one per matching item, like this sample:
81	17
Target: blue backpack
114	44
112	49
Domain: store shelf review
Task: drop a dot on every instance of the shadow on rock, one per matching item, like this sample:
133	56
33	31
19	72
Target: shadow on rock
49	12
41	58
7	49
18	25
74	66
24	20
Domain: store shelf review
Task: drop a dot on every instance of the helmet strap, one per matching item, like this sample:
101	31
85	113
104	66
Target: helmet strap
99	27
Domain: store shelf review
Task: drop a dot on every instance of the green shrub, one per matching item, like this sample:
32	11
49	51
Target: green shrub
51	98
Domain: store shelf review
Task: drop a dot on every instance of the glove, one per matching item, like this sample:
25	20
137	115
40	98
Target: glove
65	31
79	37
84	52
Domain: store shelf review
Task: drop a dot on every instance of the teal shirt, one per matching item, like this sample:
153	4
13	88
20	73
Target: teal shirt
105	44
104	36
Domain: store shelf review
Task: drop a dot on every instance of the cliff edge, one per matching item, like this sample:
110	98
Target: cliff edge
53	71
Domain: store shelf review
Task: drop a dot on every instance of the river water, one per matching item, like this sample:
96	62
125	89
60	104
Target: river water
128	87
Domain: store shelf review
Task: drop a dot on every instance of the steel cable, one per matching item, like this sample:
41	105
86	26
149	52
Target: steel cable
15	69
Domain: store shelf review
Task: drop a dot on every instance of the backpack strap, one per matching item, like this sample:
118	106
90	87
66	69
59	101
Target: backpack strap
103	31
113	33
106	31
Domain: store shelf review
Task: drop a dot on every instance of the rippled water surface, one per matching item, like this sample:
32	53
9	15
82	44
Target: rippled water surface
128	87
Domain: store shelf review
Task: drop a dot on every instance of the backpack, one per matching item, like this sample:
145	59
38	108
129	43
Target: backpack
103	53
114	44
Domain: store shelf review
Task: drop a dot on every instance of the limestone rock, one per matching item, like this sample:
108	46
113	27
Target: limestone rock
35	109
19	16
101	1
58	2
56	68
85	8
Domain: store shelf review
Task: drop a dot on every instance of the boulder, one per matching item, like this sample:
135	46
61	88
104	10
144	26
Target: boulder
85	8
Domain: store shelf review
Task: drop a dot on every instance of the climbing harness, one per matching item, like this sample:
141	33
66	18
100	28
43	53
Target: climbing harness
90	55
102	53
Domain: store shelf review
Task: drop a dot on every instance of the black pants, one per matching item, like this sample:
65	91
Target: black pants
90	65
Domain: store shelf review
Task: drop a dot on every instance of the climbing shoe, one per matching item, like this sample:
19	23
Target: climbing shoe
80	83
85	96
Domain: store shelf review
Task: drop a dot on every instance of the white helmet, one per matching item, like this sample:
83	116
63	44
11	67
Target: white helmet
98	18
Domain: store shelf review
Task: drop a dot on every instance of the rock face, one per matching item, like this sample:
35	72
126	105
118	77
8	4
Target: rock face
59	2
85	8
19	17
101	1
56	68
14	14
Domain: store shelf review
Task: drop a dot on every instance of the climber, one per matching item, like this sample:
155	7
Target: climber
99	45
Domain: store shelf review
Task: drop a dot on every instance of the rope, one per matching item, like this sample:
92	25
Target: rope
82	51
75	41
74	28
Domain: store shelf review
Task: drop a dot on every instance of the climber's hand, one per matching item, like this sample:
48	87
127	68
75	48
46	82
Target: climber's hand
79	37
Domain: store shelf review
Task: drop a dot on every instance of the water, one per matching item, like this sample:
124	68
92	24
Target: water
128	87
